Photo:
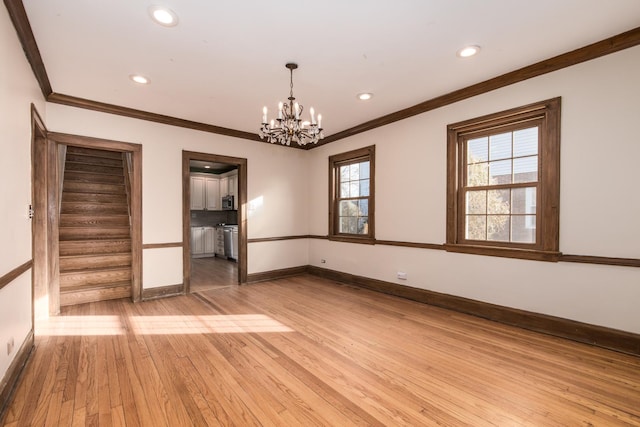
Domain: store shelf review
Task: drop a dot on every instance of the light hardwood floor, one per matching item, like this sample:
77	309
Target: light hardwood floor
307	351
212	273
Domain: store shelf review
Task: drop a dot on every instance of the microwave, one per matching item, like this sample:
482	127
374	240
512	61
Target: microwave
227	203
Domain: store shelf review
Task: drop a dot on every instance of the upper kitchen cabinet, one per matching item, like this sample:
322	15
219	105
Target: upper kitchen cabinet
205	192
224	186
229	186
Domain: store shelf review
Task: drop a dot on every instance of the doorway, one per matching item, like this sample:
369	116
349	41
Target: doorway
50	172
214	221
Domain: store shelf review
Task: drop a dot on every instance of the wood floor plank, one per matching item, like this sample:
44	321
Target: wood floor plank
308	351
212	273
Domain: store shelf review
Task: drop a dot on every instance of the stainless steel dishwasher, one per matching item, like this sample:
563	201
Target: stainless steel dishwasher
231	241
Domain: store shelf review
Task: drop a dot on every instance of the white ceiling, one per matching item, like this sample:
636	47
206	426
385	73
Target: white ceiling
225	59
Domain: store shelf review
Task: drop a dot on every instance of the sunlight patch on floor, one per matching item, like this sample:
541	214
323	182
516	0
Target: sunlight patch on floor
80	326
159	325
214	324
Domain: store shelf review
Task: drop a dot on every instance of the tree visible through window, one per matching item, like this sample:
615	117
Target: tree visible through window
351	191
501	186
503	183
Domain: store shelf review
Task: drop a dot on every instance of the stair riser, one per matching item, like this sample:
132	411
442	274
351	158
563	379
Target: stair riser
92	247
75	233
92	168
98	261
93	198
93	177
70	220
93	152
97	209
86	187
94	278
91	295
94	160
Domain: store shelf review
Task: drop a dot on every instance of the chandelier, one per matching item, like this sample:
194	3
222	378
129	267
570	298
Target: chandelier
288	126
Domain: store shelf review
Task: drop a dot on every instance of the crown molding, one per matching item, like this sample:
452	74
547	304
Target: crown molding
21	23
604	47
72	101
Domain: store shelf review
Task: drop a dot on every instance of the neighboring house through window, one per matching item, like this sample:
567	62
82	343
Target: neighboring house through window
351	195
503	183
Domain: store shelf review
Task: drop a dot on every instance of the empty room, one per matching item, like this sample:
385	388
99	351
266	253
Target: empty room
372	213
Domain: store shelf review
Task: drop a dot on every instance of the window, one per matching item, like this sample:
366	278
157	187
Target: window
503	183
351	193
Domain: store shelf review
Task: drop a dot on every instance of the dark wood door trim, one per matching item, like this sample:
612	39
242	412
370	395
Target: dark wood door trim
241	164
41	274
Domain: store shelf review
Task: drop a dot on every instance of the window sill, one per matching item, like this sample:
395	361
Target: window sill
349	239
530	254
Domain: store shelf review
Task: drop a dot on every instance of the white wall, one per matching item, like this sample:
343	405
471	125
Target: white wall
600	202
276	178
287	196
18	89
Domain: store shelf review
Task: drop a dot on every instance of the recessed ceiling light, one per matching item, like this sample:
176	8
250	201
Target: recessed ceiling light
163	16
365	96
139	79
468	51
207	167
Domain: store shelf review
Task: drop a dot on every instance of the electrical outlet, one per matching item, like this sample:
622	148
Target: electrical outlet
323	261
402	275
10	345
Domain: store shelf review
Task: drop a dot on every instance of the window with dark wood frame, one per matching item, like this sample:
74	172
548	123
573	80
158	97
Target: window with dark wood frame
352	196
503	183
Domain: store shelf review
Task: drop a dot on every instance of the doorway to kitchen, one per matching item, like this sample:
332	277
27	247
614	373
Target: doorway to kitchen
214	222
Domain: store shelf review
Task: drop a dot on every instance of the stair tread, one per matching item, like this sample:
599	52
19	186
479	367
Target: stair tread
94	152
101	189
82	218
84	194
98	178
107	241
99	269
92	202
94	239
110	240
92	228
78	289
85	256
89	271
93	160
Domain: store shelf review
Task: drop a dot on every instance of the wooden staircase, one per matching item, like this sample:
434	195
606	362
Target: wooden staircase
95	235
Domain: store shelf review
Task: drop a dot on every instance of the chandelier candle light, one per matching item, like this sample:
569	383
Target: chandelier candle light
288	126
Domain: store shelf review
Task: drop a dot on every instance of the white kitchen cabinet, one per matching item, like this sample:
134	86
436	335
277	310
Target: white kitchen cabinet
197	240
205	193
224	186
219	241
197	193
202	242
233	189
212	194
209	241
